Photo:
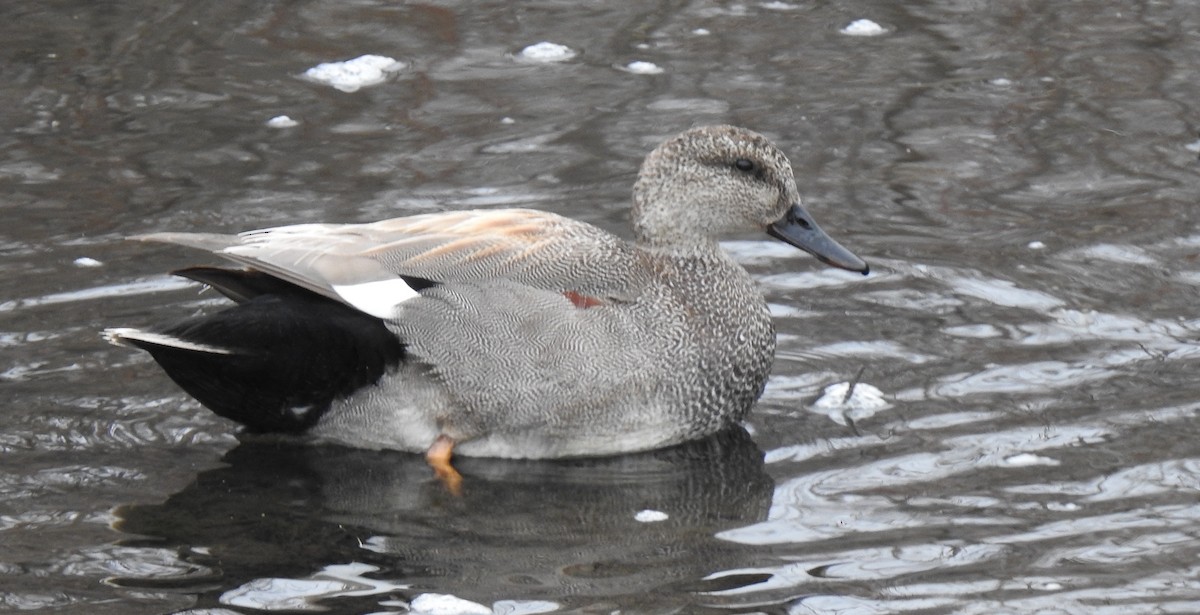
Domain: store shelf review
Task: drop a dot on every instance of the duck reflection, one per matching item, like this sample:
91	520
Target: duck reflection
576	532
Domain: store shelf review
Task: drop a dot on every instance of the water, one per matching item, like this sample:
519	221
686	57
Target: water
1022	177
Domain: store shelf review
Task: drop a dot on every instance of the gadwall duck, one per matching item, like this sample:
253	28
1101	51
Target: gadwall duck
503	333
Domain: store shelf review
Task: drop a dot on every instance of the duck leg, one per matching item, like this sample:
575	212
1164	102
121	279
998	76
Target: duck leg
438	458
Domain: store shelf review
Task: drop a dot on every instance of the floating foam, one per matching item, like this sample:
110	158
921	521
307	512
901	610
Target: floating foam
650	516
1029	459
863	402
282	121
352	75
639	67
546	52
863	27
445	604
864	397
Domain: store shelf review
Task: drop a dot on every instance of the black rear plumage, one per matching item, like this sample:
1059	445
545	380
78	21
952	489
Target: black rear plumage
289	353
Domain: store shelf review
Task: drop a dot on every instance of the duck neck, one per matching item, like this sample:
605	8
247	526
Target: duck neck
681	245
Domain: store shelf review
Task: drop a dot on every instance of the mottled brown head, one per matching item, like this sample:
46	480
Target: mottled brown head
719	180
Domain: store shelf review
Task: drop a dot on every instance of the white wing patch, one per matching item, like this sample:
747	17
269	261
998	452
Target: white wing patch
378	298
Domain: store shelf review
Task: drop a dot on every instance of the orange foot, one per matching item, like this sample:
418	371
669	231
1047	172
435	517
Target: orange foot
438	458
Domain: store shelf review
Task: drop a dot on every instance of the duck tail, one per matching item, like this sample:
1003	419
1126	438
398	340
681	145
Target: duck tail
277	360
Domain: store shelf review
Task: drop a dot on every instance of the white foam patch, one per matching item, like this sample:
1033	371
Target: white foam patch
650	516
640	67
86	261
864	396
120	335
445	604
546	51
863	402
1029	459
378	298
863	27
282	121
353	75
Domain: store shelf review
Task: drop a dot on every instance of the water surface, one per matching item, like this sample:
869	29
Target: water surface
1022	177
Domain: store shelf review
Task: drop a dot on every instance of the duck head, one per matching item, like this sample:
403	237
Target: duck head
719	180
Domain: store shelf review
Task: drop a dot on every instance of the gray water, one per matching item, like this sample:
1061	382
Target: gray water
1022	176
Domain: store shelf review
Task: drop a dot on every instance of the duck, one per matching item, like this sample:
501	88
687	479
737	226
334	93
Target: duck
505	333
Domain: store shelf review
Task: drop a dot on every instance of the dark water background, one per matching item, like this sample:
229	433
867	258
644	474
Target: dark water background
1022	176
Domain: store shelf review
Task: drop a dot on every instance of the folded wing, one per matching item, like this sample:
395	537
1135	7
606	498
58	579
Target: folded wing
372	267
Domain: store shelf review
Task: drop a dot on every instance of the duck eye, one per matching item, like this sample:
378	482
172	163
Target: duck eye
745	165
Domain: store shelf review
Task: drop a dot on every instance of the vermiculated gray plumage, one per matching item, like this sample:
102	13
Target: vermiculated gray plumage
527	334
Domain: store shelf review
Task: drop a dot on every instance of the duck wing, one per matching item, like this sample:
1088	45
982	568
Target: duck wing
376	266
